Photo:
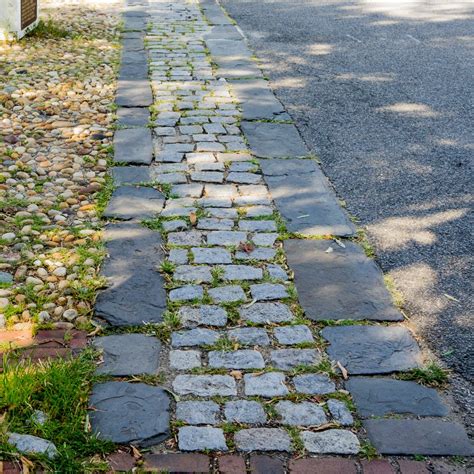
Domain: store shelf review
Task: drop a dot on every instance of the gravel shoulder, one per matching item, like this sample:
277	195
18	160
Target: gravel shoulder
384	98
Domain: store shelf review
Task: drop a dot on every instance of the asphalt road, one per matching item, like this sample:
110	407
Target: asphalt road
382	91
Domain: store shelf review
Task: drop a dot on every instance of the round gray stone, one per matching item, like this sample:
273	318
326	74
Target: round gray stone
28	444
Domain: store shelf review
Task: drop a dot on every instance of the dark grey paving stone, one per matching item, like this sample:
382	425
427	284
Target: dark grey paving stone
133	116
130	413
134	23
130	175
134	146
304	198
236	49
133	92
128	354
133	44
132	35
215	15
381	396
134	71
226	32
236	68
130	202
257	100
426	437
136	290
274	140
133	56
342	284
372	349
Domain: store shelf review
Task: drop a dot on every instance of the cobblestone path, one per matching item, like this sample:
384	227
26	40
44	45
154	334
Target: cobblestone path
244	338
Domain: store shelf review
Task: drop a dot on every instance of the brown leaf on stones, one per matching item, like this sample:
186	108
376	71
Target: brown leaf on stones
323	427
246	247
136	453
26	465
192	218
237	374
344	372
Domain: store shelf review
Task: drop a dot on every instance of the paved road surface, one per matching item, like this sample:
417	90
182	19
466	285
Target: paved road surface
383	92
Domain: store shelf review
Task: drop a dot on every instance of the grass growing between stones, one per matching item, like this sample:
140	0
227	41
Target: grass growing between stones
431	375
59	388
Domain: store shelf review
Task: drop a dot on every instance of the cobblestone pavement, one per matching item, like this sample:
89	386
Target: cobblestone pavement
249	348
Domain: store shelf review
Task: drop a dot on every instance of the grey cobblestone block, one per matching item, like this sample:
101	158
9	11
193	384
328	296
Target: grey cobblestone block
215	202
252	200
331	442
221	190
209	146
193	158
226	238
277	272
242	166
215	224
257	226
227	294
177	211
170	178
206	315
244	178
269	385
241	359
264	239
211	255
233	157
132	116
208	176
222	213
340	412
287	359
268	291
300	414
242	272
313	384
197	413
209	167
249	336
259	211
253	190
184	360
193	273
193	438
194	337
245	411
165	131
188	190
185	238
175	225
263	439
261	254
186	293
289	335
205	385
262	313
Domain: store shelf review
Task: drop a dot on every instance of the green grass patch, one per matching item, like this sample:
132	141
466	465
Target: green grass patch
60	389
431	375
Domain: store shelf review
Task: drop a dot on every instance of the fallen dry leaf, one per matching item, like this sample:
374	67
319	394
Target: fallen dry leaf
344	372
237	374
136	453
192	218
246	247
